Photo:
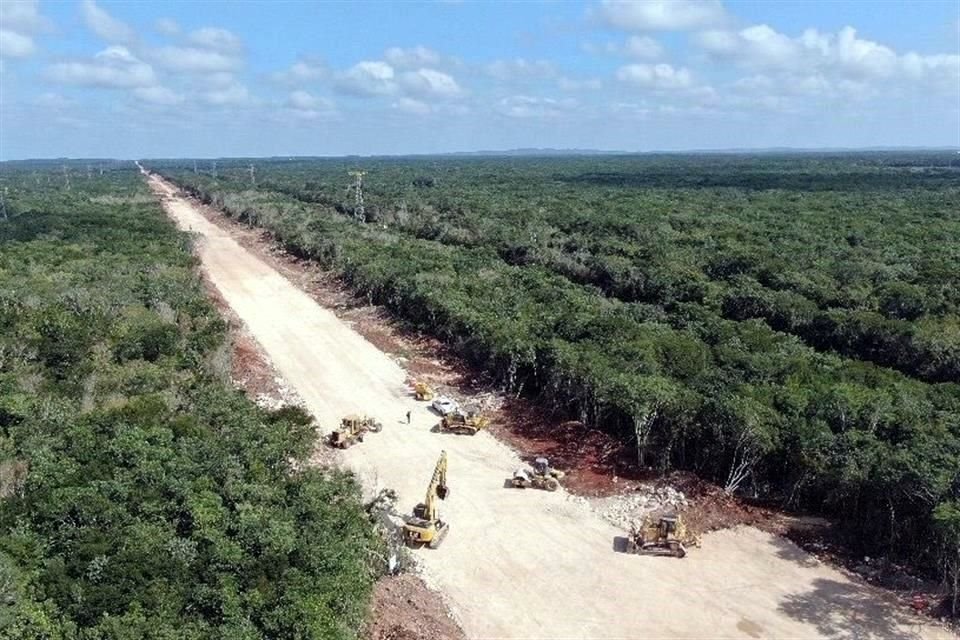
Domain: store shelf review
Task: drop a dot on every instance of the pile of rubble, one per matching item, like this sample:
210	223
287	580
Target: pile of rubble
625	509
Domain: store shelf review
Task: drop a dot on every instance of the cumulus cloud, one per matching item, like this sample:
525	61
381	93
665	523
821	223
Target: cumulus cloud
307	106
106	26
53	100
194	59
655	76
413	57
114	67
533	107
234	94
573	84
19	22
15	45
368	78
305	69
216	39
520	69
158	95
661	15
429	82
840	55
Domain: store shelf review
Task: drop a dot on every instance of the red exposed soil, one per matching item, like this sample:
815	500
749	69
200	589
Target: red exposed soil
405	609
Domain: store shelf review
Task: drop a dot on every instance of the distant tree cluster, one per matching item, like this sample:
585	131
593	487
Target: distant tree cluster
141	496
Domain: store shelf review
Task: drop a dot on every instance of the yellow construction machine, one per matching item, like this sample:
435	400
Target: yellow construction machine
424	527
351	430
423	391
464	421
541	476
666	536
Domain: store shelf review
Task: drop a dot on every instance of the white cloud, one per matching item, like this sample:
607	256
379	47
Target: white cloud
520	69
19	22
167	27
661	15
194	60
533	107
234	94
843	55
307	106
368	78
429	82
216	39
642	47
106	26
303	70
114	67
158	95
413	57
15	45
416	107
655	76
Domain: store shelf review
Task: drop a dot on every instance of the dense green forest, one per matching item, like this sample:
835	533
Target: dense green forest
141	495
787	325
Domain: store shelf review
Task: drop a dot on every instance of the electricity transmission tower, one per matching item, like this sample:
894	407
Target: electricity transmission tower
358	211
214	169
253	176
66	178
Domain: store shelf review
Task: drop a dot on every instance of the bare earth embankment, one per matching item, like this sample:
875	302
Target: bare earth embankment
528	564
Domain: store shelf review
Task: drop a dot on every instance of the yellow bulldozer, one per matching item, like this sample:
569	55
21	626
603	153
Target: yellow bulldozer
423	391
424	527
351	430
666	536
463	421
540	476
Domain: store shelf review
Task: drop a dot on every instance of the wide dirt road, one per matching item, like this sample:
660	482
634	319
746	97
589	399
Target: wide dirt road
528	564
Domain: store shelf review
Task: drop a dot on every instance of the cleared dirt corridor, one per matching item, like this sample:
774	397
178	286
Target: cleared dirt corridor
528	564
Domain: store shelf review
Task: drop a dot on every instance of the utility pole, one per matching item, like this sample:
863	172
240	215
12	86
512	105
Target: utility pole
358	210
253	175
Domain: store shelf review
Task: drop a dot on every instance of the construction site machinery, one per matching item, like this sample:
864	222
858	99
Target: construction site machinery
424	527
541	476
351	430
666	536
423	391
464	421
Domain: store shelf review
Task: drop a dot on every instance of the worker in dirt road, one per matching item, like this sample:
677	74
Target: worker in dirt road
408	417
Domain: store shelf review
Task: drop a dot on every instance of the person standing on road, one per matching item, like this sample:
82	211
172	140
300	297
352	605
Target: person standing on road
408	417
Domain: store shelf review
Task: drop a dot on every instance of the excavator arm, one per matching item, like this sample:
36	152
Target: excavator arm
438	487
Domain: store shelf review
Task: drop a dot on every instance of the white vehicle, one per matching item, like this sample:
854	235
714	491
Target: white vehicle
444	405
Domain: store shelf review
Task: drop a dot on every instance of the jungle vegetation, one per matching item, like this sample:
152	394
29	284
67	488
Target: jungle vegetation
141	495
785	325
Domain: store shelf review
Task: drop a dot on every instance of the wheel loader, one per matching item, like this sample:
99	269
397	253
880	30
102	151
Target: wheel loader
464	421
666	536
424	527
351	430
541	476
423	391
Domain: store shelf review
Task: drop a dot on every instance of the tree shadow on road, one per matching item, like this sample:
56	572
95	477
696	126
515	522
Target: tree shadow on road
847	611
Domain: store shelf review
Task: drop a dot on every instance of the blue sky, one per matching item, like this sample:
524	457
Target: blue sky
149	79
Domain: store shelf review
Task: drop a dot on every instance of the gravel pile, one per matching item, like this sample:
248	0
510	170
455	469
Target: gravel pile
627	509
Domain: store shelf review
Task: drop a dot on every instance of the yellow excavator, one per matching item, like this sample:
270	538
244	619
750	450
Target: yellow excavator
665	537
351	430
464	421
424	527
423	391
